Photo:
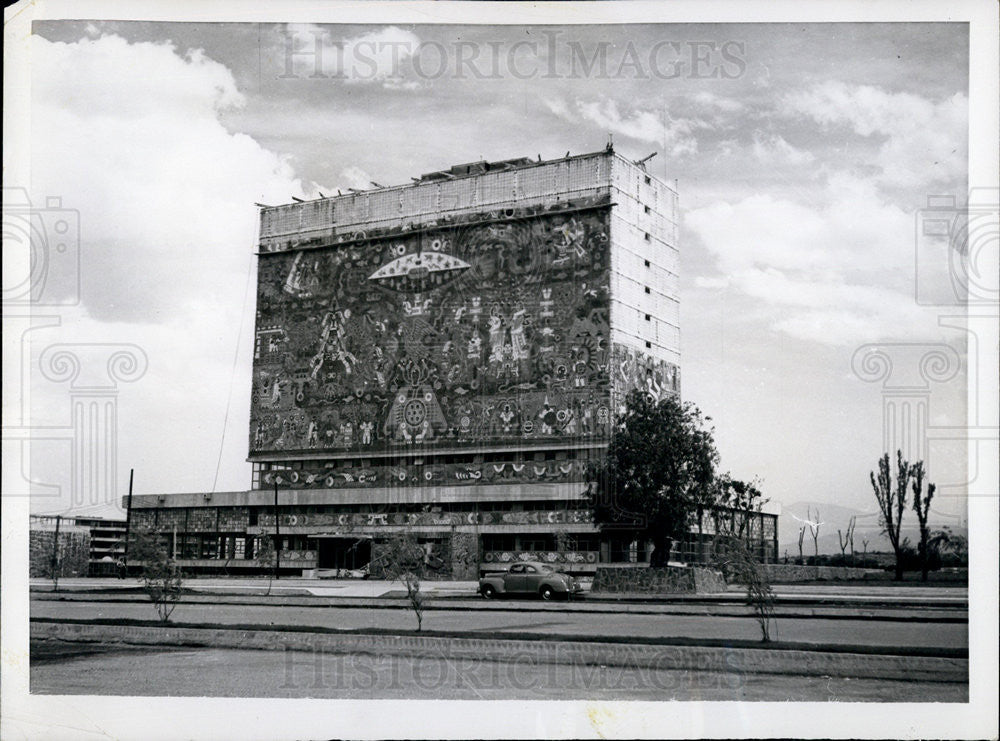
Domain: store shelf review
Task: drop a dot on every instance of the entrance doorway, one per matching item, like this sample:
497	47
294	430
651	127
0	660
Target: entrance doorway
343	553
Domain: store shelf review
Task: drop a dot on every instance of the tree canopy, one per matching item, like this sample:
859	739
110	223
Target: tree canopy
659	468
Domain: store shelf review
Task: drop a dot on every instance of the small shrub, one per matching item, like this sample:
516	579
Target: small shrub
160	577
732	556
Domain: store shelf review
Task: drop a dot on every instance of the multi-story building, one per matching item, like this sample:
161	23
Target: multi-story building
444	358
88	546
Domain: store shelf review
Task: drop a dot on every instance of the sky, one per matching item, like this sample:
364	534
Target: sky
804	156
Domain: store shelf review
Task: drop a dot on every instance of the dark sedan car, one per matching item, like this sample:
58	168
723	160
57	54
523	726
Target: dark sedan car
529	577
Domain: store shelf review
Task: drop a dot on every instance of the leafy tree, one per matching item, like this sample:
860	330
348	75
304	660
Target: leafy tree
266	557
737	505
160	577
922	506
891	500
944	544
405	561
658	471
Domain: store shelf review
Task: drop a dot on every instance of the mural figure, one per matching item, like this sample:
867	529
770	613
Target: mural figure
496	338
332	342
415	414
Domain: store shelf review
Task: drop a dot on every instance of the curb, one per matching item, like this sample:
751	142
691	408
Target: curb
622	600
734	661
735	608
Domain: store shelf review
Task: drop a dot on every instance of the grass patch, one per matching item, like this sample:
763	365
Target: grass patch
835	648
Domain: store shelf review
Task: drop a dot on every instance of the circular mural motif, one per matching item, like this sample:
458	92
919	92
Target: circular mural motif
414	412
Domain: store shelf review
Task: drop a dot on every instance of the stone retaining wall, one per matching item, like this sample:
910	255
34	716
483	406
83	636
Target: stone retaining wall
660	580
785	572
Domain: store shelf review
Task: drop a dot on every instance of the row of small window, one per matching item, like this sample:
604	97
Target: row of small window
188	546
540	542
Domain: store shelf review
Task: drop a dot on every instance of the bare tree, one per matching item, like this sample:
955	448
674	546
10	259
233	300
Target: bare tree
864	553
891	500
846	540
850	535
922	506
814	529
802	535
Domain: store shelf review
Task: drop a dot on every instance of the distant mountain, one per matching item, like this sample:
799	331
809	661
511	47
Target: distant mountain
833	517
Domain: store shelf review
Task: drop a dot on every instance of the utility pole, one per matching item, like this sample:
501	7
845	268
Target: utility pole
277	533
128	520
55	556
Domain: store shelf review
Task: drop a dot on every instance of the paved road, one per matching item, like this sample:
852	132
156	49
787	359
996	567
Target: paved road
732	608
232	673
501	621
901	593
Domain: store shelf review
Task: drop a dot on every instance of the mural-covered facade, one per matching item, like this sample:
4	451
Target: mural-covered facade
493	331
444	358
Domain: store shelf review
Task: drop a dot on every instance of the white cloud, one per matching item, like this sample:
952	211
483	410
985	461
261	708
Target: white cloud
711	283
837	272
558	107
375	57
772	149
711	100
924	141
853	229
129	135
355	177
647	126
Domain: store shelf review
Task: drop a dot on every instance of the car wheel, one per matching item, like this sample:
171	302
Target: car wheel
488	591
547	592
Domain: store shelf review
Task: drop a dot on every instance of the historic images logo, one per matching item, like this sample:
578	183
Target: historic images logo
41	252
42	271
393	55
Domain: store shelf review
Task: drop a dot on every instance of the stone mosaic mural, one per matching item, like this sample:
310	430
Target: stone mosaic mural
444	474
505	558
454	335
633	369
367	520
